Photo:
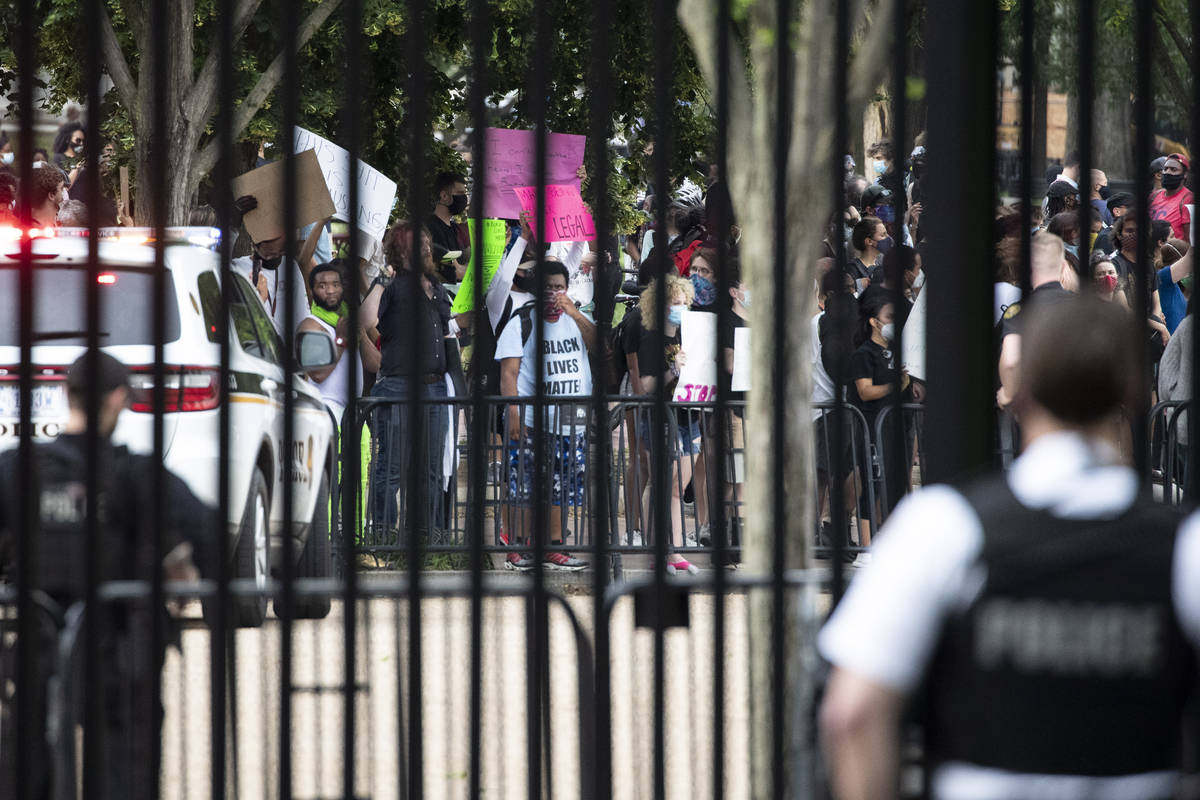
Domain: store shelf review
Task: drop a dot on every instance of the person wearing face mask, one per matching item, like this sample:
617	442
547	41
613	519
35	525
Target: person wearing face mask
873	376
1125	260
879	201
68	149
660	359
450	201
49	194
1100	195
270	273
881	169
567	338
1105	280
1171	201
870	240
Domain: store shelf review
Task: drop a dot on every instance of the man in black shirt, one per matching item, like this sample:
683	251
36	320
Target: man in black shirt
1053	282
59	567
450	201
414	317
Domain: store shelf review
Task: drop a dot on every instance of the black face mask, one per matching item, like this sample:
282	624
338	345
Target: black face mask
269	263
1104	192
458	204
525	283
1171	182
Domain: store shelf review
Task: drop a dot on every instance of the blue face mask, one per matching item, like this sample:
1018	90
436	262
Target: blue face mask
675	315
879	165
1073	249
884	244
706	293
886	214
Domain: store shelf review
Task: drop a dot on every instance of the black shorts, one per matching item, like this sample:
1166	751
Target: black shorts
823	445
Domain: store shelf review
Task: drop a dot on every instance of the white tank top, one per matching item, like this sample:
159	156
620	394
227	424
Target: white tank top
333	388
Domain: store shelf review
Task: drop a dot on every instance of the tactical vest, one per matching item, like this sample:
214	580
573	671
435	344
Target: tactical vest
1070	660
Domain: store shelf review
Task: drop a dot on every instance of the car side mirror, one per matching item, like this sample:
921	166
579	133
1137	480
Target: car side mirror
316	350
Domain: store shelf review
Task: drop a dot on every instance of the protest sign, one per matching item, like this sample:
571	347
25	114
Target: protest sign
566	218
913	358
376	192
741	360
313	203
511	159
698	377
495	236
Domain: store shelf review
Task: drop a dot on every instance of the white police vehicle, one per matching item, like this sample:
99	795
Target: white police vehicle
259	464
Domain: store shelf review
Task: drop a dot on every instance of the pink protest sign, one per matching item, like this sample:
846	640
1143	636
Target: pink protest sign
511	161
566	217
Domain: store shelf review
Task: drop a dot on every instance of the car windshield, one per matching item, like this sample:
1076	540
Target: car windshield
60	306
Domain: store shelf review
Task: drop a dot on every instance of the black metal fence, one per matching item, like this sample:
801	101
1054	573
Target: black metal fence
413	684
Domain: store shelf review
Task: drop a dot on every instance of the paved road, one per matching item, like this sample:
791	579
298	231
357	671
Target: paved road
382	673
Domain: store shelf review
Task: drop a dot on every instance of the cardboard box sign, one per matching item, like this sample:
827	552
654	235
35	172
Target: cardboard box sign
312	201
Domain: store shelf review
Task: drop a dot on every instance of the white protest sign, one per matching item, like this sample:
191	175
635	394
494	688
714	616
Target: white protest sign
741	360
913	358
698	377
376	192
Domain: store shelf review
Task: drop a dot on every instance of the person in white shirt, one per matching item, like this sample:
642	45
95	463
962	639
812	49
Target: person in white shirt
1052	612
567	337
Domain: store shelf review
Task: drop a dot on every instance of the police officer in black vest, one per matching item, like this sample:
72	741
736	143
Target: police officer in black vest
132	719
1050	614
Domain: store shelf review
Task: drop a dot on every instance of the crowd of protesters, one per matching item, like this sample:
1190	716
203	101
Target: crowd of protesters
412	344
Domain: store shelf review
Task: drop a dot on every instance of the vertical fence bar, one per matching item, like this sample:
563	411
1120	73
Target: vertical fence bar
1086	105
961	77
600	128
96	769
285	600
150	708
351	426
779	385
1193	464
1028	70
28	511
660	496
477	459
835	302
418	494
896	464
218	641
723	422
1143	139
538	635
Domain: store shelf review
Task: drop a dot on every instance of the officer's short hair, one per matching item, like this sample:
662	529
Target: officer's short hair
1079	359
112	374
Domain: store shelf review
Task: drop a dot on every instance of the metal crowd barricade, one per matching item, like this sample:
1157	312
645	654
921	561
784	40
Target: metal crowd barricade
1169	449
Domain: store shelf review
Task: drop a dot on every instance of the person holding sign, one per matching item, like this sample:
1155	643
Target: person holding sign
262	269
567	337
450	201
660	360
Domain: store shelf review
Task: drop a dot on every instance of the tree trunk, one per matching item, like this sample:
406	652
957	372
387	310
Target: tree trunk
1114	136
780	355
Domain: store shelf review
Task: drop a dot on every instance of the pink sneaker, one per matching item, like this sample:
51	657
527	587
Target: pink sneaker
681	565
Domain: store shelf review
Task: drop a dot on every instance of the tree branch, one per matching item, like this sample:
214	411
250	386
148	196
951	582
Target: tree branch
201	100
118	68
206	159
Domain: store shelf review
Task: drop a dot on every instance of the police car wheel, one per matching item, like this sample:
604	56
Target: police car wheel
252	558
315	561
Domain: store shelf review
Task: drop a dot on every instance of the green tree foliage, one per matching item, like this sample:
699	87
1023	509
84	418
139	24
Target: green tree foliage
387	64
1116	56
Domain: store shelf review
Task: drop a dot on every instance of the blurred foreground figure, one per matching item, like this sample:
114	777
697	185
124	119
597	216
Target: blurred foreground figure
1048	617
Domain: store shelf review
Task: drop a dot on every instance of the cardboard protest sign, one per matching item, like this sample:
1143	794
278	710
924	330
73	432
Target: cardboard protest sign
741	360
698	377
495	236
376	192
511	161
313	203
913	357
566	217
